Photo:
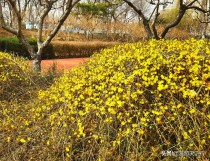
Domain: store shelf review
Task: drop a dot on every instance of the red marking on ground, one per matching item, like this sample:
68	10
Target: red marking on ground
61	64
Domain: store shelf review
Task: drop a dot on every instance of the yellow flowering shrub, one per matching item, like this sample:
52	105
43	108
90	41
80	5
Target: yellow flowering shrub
18	88
14	75
130	102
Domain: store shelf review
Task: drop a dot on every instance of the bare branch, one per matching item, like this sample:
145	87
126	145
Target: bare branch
201	21
69	7
145	20
191	3
41	21
18	14
152	12
182	11
153	2
3	24
155	19
198	9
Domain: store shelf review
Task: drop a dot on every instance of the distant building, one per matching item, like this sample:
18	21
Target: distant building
36	26
29	25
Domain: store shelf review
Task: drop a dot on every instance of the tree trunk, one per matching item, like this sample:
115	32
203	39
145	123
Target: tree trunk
148	29
36	59
36	56
37	65
19	16
175	23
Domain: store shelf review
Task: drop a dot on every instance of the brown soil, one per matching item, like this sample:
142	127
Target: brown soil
61	64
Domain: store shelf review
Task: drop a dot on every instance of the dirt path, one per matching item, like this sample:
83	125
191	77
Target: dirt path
61	64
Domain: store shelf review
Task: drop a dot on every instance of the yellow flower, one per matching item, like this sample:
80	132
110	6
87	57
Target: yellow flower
185	135
116	143
112	111
192	111
134	125
128	130
67	154
192	93
8	139
191	144
48	142
95	136
190	131
158	119
203	141
67	149
140	132
22	140
123	123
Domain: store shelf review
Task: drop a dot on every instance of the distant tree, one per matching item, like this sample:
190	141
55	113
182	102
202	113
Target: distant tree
204	19
150	20
189	22
94	12
124	14
18	9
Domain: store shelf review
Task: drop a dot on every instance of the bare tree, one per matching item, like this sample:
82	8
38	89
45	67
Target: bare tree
18	9
150	21
204	19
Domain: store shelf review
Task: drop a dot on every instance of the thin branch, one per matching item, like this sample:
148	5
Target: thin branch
152	2
18	15
191	3
41	22
19	7
136	9
201	20
3	24
145	20
152	13
155	20
69	7
198	9
182	11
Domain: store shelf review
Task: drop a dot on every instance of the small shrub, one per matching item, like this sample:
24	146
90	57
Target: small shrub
18	81
18	88
14	76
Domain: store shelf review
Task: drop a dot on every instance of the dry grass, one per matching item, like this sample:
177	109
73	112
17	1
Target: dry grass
85	43
69	49
3	33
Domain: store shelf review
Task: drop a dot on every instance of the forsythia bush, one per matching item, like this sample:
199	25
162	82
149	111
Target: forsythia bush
14	76
131	102
18	88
